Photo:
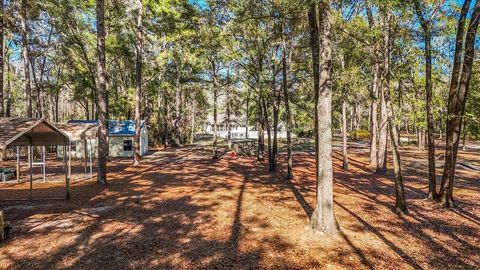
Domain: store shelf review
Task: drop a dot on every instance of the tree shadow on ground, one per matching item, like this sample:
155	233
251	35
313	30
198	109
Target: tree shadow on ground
374	193
181	209
161	214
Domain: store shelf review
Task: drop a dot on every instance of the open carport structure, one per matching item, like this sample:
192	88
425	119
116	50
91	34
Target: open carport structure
16	132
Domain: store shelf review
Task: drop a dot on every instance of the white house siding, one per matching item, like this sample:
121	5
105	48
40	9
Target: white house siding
252	134
79	150
116	147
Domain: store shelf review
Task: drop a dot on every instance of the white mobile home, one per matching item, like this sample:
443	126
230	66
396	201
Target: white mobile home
238	128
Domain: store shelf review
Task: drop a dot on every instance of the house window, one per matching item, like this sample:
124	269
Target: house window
127	145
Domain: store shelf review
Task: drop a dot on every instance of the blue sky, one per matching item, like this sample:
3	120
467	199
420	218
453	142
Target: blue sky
200	3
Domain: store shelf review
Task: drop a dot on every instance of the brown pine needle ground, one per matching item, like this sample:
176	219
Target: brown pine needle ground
182	210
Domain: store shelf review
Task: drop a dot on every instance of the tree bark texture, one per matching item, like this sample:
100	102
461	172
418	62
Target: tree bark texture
383	136
2	57
323	219
459	87
400	202
26	57
344	134
138	82
374	119
261	132
288	116
427	36
215	101
101	95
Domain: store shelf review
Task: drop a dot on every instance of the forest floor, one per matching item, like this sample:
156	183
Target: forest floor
182	210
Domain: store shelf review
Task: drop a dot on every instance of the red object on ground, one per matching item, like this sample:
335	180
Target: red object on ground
233	155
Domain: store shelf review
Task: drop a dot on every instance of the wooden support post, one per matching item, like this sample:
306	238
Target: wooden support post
18	164
65	159
64	150
31	171
43	163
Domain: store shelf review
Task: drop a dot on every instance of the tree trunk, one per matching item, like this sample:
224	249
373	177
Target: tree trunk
464	131
374	119
2	55
246	114
355	120
427	35
323	219
8	104
192	137
288	116
344	133
261	133
57	96
276	106
138	82
101	95
384	71
215	96
26	58
373	93
344	121
276	109
458	96
228	112
351	120
421	139
261	116
269	134
400	203
41	88
177	141
228	126
450	153
383	137
39	109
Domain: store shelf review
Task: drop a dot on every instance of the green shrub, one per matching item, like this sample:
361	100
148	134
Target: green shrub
361	135
302	133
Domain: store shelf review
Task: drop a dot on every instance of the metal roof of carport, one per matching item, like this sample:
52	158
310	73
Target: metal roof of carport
29	132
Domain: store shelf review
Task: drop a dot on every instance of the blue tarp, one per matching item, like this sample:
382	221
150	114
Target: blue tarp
115	127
